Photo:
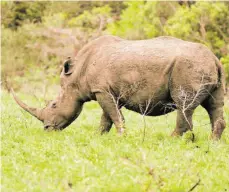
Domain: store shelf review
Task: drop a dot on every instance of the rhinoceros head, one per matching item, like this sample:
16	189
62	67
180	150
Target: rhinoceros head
60	112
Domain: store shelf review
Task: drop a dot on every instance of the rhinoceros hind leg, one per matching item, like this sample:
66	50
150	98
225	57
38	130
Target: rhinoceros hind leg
214	106
105	123
183	123
110	107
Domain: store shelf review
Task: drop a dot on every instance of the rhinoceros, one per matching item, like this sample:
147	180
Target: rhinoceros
152	77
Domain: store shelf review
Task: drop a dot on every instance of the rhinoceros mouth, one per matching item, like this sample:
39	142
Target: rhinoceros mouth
62	125
48	127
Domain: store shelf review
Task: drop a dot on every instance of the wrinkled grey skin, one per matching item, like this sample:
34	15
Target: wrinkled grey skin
152	77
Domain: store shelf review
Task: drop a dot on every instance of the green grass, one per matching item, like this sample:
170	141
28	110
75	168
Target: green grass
79	159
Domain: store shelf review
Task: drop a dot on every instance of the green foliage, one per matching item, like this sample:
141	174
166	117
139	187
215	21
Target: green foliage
55	20
15	55
225	61
89	21
134	23
142	20
23	60
15	13
80	159
74	9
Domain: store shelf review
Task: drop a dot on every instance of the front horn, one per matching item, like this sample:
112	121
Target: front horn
33	111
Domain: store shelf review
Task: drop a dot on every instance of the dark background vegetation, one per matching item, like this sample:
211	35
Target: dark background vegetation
38	36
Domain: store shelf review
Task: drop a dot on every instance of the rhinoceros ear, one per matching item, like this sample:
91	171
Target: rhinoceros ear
68	66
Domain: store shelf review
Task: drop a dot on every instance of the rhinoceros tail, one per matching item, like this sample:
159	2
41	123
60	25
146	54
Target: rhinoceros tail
221	75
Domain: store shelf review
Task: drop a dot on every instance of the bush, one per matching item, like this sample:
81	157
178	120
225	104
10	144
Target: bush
15	13
142	20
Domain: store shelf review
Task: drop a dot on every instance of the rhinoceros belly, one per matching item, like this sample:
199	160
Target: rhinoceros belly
148	108
150	102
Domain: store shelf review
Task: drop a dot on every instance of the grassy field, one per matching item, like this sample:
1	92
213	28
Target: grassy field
79	159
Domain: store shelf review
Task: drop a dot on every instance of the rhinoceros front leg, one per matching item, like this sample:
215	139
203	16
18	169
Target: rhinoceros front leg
105	123
111	108
184	122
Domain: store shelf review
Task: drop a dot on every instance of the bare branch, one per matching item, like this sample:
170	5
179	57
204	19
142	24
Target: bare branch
189	98
194	186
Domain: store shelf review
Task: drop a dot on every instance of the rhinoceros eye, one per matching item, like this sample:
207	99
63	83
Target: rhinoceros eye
53	105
